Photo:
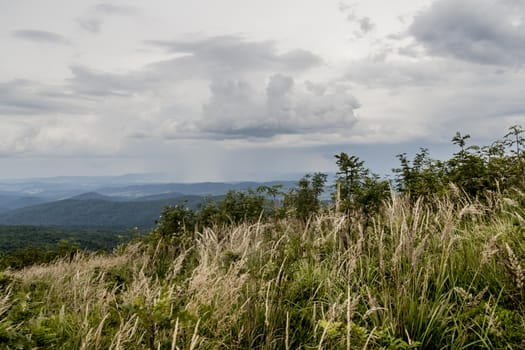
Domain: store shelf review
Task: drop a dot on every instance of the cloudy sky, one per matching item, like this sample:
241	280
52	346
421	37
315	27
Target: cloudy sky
245	89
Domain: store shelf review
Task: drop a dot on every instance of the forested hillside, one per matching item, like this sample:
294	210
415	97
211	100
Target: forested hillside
87	212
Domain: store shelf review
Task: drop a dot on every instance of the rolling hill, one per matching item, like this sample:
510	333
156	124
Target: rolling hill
95	212
64	203
199	189
14	201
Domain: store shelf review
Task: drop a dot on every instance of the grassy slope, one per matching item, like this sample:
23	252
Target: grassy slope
448	278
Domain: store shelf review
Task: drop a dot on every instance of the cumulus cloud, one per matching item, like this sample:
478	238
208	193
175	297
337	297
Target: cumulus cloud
41	36
279	94
219	88
231	110
236	110
480	31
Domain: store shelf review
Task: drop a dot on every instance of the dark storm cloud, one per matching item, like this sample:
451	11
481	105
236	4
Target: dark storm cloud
480	31
233	52
40	36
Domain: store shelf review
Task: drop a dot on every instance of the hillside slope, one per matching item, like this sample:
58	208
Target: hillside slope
9	201
95	212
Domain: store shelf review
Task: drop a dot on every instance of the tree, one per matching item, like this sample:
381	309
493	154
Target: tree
372	194
460	140
467	168
359	191
305	198
243	206
421	177
176	224
349	177
274	192
234	208
515	139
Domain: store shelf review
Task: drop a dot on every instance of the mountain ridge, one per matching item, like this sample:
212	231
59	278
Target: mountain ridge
95	212
126	205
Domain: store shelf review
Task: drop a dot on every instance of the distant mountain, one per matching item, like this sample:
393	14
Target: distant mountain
96	195
14	201
95	212
155	197
101	180
47	191
118	188
200	189
62	195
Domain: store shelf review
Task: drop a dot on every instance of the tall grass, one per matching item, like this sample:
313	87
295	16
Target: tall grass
446	274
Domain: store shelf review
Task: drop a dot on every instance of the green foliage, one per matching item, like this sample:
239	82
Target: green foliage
422	177
304	200
32	255
233	208
22	246
175	223
350	176
358	191
473	169
241	206
94	213
14	238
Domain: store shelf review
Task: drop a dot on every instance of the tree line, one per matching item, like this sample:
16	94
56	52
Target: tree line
359	193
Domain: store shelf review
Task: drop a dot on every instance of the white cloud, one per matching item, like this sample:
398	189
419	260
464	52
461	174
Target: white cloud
237	110
56	136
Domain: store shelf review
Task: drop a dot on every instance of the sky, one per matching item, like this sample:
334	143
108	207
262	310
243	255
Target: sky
231	90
